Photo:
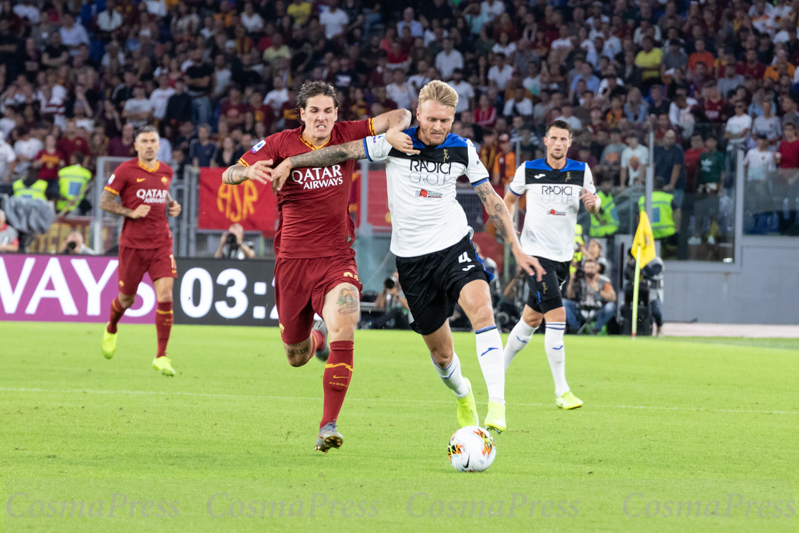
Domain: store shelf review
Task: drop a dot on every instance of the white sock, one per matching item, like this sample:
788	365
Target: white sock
517	340
492	363
556	353
451	376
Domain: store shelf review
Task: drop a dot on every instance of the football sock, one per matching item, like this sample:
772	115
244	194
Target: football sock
163	326
517	340
492	363
336	379
451	376
318	339
556	353
116	314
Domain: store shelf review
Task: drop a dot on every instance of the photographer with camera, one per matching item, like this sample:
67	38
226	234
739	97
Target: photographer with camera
74	245
232	245
391	300
650	290
589	295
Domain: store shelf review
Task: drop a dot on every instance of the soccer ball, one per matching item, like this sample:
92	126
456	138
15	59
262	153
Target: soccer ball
471	449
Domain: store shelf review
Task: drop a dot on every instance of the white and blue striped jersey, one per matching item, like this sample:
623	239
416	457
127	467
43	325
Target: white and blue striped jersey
425	214
553	201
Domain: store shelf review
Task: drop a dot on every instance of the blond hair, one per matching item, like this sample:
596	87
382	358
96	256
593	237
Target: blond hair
439	92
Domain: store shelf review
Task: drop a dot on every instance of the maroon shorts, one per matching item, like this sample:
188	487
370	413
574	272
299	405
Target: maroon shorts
134	262
300	289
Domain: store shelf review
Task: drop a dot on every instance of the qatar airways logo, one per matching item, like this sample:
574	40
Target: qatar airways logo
316	178
152	196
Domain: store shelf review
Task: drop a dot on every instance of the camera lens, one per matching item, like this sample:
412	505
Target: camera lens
389	283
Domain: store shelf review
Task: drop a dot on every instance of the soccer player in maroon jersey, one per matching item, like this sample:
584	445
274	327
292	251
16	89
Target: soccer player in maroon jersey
142	185
315	270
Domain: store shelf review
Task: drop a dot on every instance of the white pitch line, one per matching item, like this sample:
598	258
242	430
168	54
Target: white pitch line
390	400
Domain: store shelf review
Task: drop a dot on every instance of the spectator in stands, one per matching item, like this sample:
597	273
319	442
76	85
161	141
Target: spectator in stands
657	104
769	125
72	142
47	163
138	110
25	150
449	59
8	160
9	238
670	165
504	163
123	146
227	155
634	159
736	132
202	151
710	171
179	106
611	155
649	60
198	81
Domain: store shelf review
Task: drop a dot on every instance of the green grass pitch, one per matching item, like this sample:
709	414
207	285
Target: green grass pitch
689	435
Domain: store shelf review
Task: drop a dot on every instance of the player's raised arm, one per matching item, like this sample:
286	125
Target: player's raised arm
324	157
399	119
259	171
498	213
109	205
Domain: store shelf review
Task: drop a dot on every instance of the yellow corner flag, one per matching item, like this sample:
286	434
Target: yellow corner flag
644	242
643	250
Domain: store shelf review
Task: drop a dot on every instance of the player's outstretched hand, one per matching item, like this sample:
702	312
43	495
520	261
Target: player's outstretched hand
173	209
590	200
401	141
530	265
280	174
260	171
140	211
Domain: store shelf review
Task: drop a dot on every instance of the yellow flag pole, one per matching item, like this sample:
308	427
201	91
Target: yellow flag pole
635	290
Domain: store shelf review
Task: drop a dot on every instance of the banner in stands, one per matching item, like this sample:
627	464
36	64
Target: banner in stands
66	288
250	204
69	288
225	292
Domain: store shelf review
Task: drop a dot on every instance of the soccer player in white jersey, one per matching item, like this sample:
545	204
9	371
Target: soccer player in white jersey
431	238
554	187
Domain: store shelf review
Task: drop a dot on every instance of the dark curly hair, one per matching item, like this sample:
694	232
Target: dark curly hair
315	88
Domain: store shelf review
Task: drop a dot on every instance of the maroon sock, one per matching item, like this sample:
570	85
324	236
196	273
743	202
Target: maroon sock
163	325
336	379
319	339
116	314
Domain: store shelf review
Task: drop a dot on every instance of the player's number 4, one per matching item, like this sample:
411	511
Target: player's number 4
464	258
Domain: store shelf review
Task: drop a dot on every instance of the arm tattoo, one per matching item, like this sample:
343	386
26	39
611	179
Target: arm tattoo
331	155
497	211
235	175
108	204
347	301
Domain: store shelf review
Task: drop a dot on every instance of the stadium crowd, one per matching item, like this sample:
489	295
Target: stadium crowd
708	78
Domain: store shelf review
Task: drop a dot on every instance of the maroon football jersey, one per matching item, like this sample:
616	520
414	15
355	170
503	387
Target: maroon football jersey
135	184
313	213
